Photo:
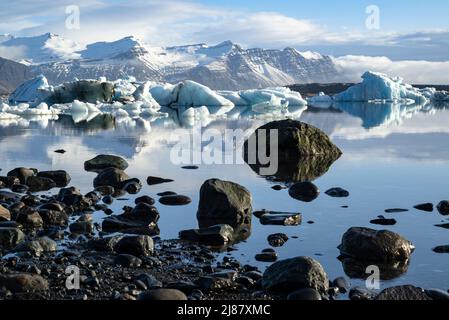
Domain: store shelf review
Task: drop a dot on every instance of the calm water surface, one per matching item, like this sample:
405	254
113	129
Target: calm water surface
393	156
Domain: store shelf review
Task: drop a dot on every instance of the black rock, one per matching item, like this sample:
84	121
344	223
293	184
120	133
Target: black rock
296	273
304	191
22	174
277	239
110	177
60	177
395	210
61	151
176	200
156	180
372	245
102	162
128	261
190	167
166	193
224	202
443	208
384	222
20	188
54	218
443	225
162	294
214	235
136	245
278	187
149	280
36	183
144	199
408	292
306	294
437	294
284	219
268	256
427	207
81	227
337	193
342	284
107	200
359	293
441	249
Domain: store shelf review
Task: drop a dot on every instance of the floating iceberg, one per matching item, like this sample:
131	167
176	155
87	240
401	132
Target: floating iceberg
279	96
32	91
380	87
320	101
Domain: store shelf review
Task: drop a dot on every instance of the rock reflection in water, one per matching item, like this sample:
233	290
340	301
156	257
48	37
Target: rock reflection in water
356	269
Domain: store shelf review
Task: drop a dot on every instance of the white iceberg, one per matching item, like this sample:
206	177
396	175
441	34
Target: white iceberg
320	101
32	91
281	96
380	87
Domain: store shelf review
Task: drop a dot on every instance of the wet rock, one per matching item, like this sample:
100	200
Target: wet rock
278	219
157	180
107	200
135	245
81	227
149	280
22	174
127	261
304	191
190	167
396	210
162	294
176	200
437	294
19	188
305	151
214	235
427	207
38	246
359	294
110	177
166	193
267	256
337	193
296	273
132	186
441	249
383	222
144	199
30	218
23	282
105	190
278	187
60	151
307	294
36	183
443	225
224	202
5	215
214	284
30	200
140	220
10	237
277	239
105	244
443	208
60	177
54	218
407	292
342	284
69	196
372	245
9	182
104	161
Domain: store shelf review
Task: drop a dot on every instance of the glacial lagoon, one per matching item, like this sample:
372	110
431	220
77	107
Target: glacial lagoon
394	156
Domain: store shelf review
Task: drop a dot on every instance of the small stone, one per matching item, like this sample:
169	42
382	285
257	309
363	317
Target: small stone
23	282
176	200
60	151
128	261
276	219
395	210
304	191
190	167
277	239
156	180
60	177
19	188
407	292
81	227
437	294
135	245
342	284
37	184
359	293
441	249
144	199
103	161
166	193
10	237
384	222
267	256
443	208
162	294
427	207
149	280
5	215
337	193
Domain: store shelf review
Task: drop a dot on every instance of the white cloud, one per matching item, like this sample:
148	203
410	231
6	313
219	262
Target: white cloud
416	72
13	53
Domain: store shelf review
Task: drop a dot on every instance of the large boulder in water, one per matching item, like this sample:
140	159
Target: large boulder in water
294	274
104	161
378	246
224	202
110	177
303	152
60	177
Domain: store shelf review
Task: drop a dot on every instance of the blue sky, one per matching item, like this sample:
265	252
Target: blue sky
409	29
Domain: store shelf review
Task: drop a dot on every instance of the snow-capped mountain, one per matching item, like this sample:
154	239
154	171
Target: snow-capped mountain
226	66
